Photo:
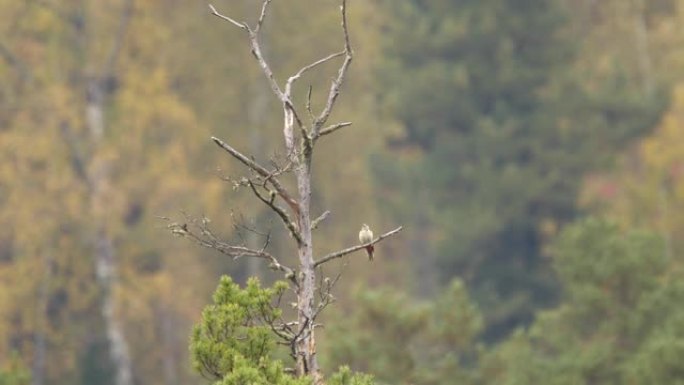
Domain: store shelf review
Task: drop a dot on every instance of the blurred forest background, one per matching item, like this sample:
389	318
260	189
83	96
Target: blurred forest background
533	150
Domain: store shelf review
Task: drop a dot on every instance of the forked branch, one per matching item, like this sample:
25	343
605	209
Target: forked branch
261	171
270	202
295	77
203	236
228	19
262	16
254	43
337	83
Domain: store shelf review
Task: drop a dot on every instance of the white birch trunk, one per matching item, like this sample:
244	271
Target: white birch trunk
104	254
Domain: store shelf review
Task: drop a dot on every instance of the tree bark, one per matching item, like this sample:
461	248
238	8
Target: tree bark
307	362
104	253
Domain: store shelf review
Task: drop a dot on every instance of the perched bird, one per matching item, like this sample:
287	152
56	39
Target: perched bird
365	236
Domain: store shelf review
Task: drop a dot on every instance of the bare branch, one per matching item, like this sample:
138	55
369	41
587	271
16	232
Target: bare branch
321	218
325	292
295	77
347	44
333	128
325	289
228	19
341	73
281	213
208	239
262	16
306	137
256	51
308	104
291	112
260	170
349	250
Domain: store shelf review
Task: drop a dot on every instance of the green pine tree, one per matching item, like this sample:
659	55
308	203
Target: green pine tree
236	341
505	128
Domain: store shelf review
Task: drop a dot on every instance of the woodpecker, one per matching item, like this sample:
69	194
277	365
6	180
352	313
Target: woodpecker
366	236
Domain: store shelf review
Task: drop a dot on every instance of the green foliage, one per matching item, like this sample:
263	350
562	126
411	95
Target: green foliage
94	364
659	361
503	106
605	270
617	324
345	376
491	95
403	342
233	343
15	373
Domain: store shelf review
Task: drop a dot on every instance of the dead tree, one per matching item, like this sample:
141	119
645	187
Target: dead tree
301	132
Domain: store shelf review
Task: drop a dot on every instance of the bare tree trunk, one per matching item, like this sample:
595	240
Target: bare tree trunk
306	344
104	253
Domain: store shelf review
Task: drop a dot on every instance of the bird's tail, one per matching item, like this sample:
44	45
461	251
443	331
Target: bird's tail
370	250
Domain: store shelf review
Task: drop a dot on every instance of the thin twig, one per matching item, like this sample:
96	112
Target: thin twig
308	104
341	73
321	218
228	19
260	170
349	250
278	210
256	51
262	16
295	77
208	239
306	137
256	47
326	297
333	128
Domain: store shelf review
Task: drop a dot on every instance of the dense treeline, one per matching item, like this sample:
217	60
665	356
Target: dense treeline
484	126
507	120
